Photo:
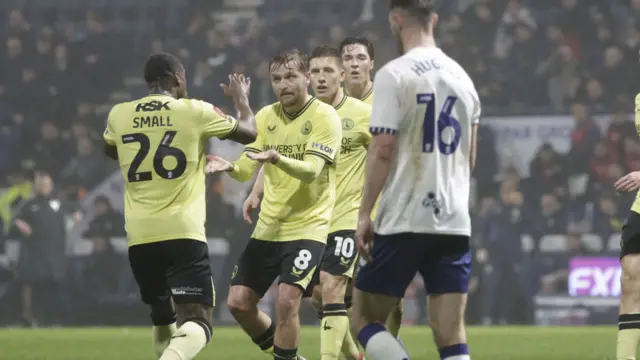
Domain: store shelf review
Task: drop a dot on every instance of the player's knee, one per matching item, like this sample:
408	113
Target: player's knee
630	279
287	306
446	317
240	301
194	311
163	313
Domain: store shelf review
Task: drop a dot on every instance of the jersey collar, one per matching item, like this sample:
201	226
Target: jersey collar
342	101
299	112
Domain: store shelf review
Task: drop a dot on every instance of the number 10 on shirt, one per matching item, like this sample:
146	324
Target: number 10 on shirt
445	120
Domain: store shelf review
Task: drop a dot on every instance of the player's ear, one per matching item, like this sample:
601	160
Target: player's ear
307	78
373	64
434	20
395	19
341	74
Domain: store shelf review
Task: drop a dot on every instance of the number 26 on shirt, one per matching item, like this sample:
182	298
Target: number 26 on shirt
433	133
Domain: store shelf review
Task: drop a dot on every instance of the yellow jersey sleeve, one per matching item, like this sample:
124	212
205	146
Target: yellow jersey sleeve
325	137
243	168
214	122
109	136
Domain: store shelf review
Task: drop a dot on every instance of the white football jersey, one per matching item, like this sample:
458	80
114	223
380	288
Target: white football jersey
430	103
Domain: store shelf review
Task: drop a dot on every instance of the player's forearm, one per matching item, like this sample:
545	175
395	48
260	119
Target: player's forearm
244	113
243	169
376	173
305	170
258	187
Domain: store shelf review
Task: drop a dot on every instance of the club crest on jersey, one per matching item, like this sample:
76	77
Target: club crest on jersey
347	124
438	210
306	128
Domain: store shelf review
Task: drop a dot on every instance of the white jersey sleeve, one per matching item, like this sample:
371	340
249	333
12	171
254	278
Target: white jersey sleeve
430	104
386	111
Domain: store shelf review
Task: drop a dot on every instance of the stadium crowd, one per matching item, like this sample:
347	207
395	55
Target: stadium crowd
62	66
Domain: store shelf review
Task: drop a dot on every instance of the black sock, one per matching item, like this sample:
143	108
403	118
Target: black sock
348	302
265	341
285	354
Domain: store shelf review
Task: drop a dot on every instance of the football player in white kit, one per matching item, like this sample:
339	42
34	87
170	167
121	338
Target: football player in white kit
424	122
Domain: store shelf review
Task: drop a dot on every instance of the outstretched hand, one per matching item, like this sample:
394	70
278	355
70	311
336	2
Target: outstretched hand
238	87
629	182
271	156
217	164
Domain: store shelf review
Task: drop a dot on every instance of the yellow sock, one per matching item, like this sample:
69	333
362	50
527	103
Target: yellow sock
161	336
350	349
628	336
187	342
333	327
395	320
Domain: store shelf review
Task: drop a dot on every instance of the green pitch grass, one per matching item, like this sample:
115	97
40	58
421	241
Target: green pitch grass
229	343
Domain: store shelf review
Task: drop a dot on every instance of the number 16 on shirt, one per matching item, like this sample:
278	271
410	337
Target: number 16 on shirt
445	120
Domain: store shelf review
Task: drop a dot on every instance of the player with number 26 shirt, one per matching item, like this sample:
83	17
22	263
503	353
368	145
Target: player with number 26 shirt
159	143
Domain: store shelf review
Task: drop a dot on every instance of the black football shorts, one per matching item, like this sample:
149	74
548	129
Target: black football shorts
339	258
174	268
630	241
263	261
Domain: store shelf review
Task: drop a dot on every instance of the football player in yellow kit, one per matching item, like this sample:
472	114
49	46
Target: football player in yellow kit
298	139
159	141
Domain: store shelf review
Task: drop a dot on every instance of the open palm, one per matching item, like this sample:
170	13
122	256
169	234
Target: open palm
217	164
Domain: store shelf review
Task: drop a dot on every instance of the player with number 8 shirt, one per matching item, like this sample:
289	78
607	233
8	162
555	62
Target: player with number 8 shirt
298	141
330	281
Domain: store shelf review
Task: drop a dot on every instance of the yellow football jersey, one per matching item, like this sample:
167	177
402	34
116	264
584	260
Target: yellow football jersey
160	142
636	204
367	98
355	115
293	209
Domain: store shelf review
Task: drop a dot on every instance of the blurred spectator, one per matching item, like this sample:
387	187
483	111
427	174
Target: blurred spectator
584	137
41	226
101	273
609	219
546	170
549	218
501	255
107	222
555	267
87	166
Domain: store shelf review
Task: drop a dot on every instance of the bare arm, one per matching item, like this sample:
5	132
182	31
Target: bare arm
258	186
379	157
246	131
238	89
473	154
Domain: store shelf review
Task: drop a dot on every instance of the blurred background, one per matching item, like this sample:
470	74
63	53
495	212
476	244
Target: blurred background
557	79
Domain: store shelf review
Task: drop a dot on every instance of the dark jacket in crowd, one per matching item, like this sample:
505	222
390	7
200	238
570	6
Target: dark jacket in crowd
43	253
